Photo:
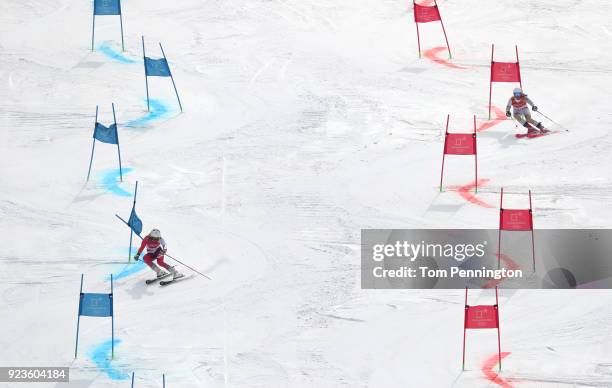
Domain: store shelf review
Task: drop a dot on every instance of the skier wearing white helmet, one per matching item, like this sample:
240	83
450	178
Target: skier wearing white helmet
521	112
156	248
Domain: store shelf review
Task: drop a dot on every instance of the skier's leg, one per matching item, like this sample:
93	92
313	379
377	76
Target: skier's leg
531	121
519	118
148	259
523	117
176	274
161	263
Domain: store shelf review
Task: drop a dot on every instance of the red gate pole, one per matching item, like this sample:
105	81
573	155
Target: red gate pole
491	81
444	31
464	329
532	233
498	329
475	157
444	151
518	67
501	209
417	27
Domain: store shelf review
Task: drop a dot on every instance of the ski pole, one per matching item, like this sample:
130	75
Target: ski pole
180	262
553	121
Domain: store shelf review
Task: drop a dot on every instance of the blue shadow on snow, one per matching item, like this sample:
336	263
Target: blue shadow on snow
129	269
101	356
110	181
106	49
157	111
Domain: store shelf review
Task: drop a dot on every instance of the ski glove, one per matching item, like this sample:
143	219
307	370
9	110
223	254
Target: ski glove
137	256
507	113
535	108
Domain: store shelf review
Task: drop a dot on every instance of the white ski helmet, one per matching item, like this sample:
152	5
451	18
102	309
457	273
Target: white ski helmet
155	233
517	91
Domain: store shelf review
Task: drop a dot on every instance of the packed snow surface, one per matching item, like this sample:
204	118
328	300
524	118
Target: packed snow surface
303	122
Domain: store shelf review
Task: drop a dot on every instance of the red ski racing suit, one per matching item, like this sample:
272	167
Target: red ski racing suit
155	251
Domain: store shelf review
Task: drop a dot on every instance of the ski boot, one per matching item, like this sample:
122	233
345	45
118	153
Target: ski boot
161	273
541	128
175	274
530	129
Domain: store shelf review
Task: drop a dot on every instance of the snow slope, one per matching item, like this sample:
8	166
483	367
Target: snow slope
303	123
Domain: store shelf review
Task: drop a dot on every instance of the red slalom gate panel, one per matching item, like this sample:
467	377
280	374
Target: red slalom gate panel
426	14
504	72
460	144
482	317
515	220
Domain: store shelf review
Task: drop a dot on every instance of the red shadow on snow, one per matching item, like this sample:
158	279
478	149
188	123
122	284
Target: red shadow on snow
487	369
510	264
432	55
500	116
465	192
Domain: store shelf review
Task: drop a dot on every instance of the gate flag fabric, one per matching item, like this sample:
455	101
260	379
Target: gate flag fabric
157	68
107	135
96	305
134	223
105	8
504	72
460	144
517	220
482	317
426	14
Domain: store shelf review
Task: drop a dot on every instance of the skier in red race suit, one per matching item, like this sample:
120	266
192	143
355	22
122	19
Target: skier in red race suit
521	112
156	248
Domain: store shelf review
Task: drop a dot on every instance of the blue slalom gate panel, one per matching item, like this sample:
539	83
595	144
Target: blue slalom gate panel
107	7
134	222
106	134
96	305
157	67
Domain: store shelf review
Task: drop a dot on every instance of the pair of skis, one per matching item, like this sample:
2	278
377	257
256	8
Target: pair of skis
166	282
535	133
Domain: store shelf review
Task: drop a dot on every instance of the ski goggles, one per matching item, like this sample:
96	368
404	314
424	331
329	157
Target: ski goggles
517	95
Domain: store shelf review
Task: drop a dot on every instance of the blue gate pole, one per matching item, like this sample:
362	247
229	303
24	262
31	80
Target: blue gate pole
132	230
171	77
76	346
93	145
163	380
132	379
121	24
130	248
112	321
118	148
144	58
93	27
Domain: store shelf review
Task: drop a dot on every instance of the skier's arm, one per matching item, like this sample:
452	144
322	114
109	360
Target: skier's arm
533	106
143	244
164	248
508	105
